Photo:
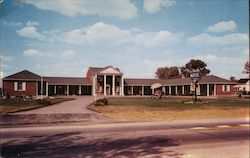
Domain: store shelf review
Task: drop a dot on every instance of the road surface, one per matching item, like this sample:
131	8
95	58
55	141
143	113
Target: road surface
184	139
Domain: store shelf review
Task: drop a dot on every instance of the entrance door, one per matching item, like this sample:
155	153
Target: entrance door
108	89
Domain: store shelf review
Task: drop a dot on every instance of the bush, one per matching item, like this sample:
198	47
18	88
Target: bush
43	102
101	102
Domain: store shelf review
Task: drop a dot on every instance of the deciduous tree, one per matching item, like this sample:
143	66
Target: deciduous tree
247	67
195	64
167	72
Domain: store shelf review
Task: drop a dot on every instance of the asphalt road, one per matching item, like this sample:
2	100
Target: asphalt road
183	139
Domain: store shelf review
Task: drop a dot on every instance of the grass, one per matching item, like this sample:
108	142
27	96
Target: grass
14	105
172	109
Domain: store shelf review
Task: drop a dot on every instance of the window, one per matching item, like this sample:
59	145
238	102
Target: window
225	88
19	86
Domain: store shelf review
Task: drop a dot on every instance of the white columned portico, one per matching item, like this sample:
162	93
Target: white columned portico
80	90
54	89
164	90
47	88
67	89
208	89
113	85
94	84
214	89
122	86
104	85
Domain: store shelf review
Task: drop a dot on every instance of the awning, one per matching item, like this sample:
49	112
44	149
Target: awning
156	85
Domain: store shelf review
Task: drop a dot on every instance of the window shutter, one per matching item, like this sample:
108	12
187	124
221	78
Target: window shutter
223	88
15	86
24	86
228	88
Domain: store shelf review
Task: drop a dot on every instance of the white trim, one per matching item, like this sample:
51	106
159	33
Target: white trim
113	85
104	84
23	86
15	86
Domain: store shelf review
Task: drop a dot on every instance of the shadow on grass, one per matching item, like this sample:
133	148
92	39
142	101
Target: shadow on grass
74	145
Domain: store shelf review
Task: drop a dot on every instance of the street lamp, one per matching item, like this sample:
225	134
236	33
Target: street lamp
195	77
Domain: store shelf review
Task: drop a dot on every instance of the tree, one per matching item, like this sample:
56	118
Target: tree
247	67
195	64
167	72
232	78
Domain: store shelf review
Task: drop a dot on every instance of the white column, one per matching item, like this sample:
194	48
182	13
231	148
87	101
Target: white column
47	88
207	89
55	89
104	85
36	88
113	85
183	90
132	90
214	89
142	90
169	90
80	90
176	90
41	87
122	89
67	89
164	90
94	84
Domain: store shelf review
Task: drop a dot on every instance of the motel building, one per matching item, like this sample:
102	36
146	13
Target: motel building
109	81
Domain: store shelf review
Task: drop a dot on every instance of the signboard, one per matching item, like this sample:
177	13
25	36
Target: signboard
195	75
192	87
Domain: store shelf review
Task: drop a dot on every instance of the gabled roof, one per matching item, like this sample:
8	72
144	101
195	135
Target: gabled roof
140	82
210	79
243	80
67	81
23	75
105	70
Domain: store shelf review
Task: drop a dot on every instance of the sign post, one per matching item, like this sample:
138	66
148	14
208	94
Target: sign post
195	76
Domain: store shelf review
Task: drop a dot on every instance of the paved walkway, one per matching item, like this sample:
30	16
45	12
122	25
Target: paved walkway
79	105
65	112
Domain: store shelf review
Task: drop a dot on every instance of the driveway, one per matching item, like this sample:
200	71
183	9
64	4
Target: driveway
65	112
78	105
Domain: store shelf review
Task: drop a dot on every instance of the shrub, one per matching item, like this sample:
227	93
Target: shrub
43	102
101	102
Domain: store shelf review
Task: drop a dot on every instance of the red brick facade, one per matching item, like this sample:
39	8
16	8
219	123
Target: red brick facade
31	90
220	92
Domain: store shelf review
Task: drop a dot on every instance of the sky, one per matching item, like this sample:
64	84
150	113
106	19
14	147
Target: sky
65	37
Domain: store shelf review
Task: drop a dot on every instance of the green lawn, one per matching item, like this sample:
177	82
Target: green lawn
15	105
173	108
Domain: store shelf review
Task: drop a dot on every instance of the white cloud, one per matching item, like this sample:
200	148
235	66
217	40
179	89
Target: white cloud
32	23
246	52
152	6
123	9
222	26
161	38
204	38
5	58
68	54
33	52
30	32
99	32
12	24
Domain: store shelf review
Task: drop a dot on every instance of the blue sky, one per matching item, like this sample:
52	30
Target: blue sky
64	38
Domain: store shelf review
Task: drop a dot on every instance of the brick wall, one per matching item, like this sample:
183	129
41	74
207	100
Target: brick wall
8	87
220	92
